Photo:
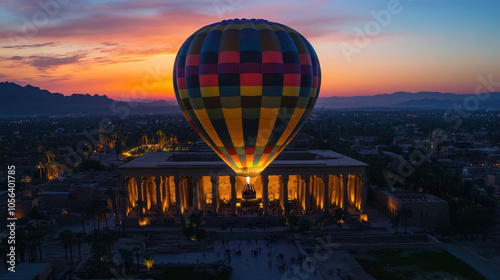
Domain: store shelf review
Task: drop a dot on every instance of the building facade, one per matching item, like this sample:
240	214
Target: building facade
309	180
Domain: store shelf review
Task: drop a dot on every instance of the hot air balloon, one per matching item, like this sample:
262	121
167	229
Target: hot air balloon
246	86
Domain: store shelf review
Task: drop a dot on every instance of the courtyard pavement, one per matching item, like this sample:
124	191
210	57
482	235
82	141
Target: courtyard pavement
248	266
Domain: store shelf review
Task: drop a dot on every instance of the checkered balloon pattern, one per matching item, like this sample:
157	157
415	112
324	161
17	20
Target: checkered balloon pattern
246	86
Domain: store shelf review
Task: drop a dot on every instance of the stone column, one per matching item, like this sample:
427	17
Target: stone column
364	185
284	181
265	194
182	183
280	189
166	193
232	180
307	194
145	194
124	204
340	191
326	196
177	195
215	202
138	183
194	179
300	191
159	202
345	200
185	194
315	189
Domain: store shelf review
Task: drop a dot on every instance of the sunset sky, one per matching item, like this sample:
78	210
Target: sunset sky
125	49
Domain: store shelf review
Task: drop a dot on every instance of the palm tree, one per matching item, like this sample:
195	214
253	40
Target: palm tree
26	179
102	215
83	217
93	236
22	244
148	262
79	236
292	220
323	220
127	256
109	237
137	255
395	221
161	139
140	204
339	216
123	194
100	264
405	213
40	166
98	211
34	240
67	238
4	250
111	194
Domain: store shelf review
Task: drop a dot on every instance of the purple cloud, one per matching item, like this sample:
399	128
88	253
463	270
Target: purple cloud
49	44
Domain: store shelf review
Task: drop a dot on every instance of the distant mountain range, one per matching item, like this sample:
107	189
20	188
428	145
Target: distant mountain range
420	100
17	100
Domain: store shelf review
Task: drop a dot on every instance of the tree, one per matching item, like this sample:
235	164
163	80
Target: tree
21	242
111	194
323	220
305	225
148	262
395	221
4	250
288	207
92	164
83	217
192	226
292	220
405	213
93	211
109	237
140	204
99	210
136	250
26	179
67	237
40	166
79	237
339	215
127	256
102	215
101	263
34	214
34	239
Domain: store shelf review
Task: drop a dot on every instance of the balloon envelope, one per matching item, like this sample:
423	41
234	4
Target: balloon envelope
246	86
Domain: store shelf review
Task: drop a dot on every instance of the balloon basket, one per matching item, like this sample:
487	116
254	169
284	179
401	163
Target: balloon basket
248	192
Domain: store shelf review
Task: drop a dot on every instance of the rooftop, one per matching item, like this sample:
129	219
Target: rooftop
409	197
205	159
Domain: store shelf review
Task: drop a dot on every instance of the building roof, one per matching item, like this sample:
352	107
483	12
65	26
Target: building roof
302	159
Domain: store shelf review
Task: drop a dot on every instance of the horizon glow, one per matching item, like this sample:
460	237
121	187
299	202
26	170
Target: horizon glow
125	49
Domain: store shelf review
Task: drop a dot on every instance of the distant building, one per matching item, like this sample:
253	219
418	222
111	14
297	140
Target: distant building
485	154
427	209
493	181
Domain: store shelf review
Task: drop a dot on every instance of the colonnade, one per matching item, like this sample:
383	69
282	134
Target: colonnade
150	195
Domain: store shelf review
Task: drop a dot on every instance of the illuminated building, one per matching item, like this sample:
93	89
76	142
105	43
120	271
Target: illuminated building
308	180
